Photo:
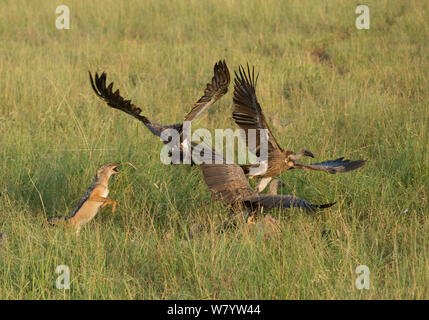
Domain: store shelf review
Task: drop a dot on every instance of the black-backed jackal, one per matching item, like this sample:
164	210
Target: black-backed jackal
94	199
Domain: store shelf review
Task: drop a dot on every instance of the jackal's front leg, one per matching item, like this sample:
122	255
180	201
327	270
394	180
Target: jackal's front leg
105	201
109	201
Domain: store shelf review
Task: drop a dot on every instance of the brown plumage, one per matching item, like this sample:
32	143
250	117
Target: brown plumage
248	115
213	92
228	184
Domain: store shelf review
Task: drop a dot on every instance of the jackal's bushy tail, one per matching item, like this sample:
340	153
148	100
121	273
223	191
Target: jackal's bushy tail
55	220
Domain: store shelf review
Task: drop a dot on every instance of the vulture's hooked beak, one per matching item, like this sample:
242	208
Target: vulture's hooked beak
308	153
301	153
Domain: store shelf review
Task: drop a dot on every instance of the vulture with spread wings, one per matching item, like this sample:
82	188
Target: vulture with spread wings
248	115
213	92
229	185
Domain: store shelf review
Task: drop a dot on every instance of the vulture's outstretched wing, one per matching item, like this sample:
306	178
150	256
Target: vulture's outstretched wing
269	202
248	113
115	100
332	166
213	91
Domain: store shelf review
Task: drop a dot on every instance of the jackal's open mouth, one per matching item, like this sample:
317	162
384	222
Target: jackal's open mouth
115	169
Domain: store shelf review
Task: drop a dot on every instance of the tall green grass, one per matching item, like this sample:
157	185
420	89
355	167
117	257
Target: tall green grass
353	93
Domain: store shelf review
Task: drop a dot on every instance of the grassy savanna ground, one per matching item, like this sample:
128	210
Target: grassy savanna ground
353	93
